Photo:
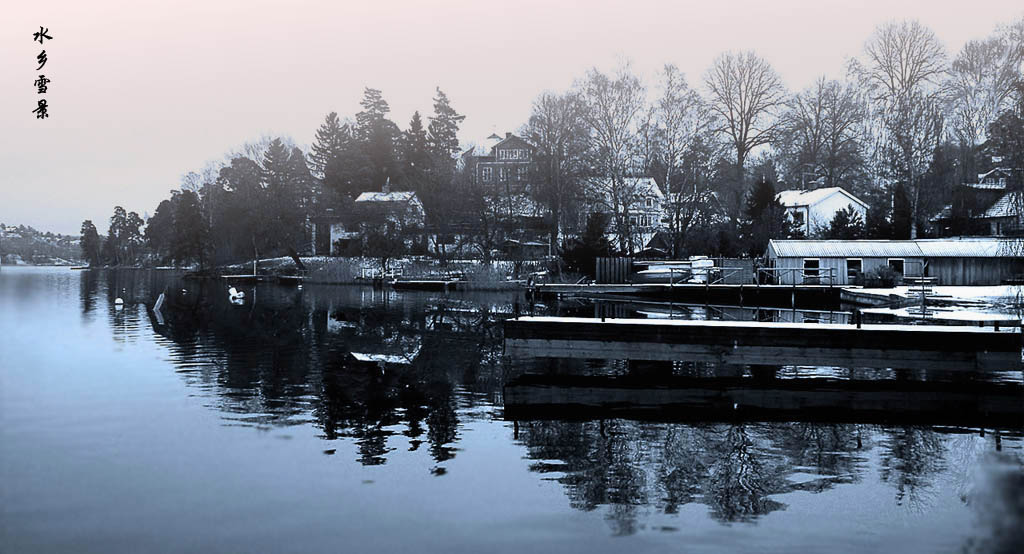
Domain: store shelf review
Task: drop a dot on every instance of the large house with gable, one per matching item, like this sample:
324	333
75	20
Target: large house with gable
993	206
811	211
499	165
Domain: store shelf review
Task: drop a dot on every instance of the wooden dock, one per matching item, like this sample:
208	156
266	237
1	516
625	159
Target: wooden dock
784	296
266	278
735	398
436	285
755	342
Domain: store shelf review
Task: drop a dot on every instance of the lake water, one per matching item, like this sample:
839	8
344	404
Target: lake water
348	419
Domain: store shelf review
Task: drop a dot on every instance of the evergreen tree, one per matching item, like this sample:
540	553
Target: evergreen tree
378	140
580	254
329	145
339	161
443	131
764	219
416	150
160	228
305	185
117	234
90	243
280	216
846	225
190	231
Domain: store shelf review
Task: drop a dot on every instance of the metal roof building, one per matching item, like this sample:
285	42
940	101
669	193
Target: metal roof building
956	261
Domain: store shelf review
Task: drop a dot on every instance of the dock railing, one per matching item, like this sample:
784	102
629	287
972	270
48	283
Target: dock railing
798	275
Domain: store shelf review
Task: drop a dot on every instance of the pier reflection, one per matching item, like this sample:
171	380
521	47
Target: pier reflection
393	373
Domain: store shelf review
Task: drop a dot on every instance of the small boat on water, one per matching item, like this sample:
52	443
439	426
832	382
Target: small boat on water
694	270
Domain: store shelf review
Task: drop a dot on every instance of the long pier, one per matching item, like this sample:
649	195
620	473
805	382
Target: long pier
735	398
754	342
786	296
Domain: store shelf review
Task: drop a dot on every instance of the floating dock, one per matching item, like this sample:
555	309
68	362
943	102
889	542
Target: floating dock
786	296
755	342
736	398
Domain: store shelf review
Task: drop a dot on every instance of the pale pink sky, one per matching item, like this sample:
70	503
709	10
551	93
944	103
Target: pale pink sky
143	92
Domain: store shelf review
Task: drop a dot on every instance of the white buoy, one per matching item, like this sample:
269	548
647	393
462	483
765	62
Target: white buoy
118	302
235	294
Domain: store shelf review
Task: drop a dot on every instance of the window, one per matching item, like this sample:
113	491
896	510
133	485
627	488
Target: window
502	174
854	266
897	265
650	202
811	266
485	175
520	173
798	218
632	220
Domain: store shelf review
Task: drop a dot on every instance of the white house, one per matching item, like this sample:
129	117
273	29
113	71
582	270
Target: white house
812	210
646	202
645	206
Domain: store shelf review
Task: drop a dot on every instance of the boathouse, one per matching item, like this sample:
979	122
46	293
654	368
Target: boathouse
954	261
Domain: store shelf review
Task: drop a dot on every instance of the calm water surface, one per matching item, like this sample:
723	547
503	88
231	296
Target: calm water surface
347	419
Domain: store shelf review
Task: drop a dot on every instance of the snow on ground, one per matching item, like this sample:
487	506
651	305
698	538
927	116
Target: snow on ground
991	293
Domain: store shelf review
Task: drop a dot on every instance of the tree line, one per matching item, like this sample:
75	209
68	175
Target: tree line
901	127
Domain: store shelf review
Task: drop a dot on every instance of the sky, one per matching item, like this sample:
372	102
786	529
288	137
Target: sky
143	92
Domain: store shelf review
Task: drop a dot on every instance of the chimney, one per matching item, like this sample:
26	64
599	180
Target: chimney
508	135
387	186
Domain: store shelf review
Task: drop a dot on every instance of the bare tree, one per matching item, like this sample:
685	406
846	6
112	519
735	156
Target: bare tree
822	132
981	82
684	121
745	93
902	57
614	105
558	133
903	68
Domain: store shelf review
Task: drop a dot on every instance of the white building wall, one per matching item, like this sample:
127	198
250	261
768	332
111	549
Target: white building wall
820	214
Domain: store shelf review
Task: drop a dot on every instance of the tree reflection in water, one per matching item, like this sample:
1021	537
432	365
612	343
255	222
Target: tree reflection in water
911	457
734	469
364	368
372	367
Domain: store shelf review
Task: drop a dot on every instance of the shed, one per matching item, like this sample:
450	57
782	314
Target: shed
956	261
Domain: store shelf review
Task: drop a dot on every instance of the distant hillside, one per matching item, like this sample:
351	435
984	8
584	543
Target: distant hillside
23	244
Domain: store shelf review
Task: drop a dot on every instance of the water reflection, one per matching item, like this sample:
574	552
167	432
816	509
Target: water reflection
380	369
733	469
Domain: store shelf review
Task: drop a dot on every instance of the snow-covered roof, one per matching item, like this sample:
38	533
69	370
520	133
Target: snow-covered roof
793	198
993	172
405	196
967	247
482	147
1009	205
644	186
986	186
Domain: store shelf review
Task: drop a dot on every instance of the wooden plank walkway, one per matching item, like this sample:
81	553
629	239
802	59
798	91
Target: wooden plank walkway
754	342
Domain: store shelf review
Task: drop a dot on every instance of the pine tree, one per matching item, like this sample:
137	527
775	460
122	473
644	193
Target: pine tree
90	243
416	147
764	219
329	144
190	230
378	140
846	225
279	212
443	130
